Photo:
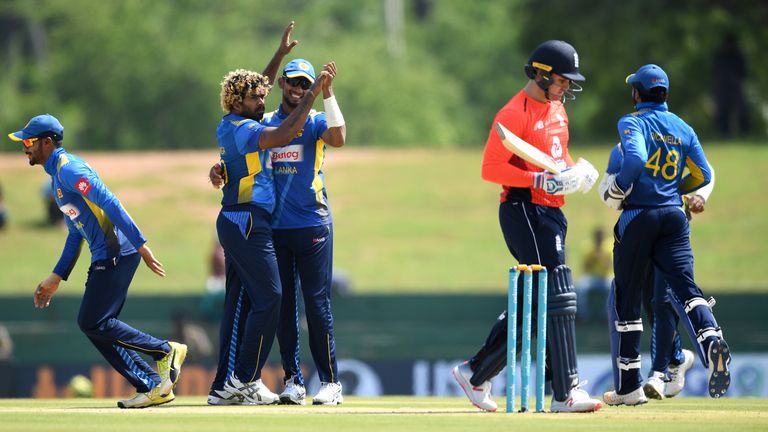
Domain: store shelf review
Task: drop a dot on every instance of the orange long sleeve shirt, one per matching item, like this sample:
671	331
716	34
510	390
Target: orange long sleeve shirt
543	125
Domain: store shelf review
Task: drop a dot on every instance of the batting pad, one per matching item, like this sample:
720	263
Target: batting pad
561	331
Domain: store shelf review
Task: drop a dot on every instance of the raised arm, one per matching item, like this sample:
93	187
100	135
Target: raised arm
336	134
285	47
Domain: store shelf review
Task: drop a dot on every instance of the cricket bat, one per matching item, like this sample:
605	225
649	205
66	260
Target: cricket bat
526	151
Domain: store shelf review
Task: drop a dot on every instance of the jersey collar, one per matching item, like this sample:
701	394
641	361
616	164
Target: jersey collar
53	161
657	106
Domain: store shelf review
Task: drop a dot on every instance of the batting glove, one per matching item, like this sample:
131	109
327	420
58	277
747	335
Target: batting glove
567	182
589	175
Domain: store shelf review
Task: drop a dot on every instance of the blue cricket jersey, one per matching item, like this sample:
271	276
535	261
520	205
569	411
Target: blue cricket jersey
657	146
298	169
246	168
91	211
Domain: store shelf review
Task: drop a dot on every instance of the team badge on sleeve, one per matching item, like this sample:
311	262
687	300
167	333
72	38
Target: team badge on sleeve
83	186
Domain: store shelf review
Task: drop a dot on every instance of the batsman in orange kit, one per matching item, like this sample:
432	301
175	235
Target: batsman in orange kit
534	226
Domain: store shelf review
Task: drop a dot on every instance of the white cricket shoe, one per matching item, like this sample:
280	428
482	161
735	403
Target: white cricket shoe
480	396
676	375
148	399
224	397
329	394
253	393
719	356
578	400
654	386
293	394
636	397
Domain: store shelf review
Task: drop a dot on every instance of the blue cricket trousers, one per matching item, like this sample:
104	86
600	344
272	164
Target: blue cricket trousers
105	291
305	260
246	236
648	238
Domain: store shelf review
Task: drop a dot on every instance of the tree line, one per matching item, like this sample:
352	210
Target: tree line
143	74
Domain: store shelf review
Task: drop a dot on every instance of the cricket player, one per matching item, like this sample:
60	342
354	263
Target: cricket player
303	234
667	353
244	228
669	361
652	231
533	225
92	213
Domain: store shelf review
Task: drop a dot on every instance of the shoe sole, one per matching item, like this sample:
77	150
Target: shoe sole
460	381
214	400
640	402
651	392
121	405
286	400
593	409
719	375
336	402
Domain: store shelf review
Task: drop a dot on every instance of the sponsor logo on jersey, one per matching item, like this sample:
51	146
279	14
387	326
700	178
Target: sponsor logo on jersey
291	153
83	186
286	169
318	240
556	151
70	211
539	125
59	194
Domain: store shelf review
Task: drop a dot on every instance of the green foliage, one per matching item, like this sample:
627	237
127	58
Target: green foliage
615	38
145	74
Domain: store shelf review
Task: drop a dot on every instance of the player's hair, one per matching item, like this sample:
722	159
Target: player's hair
54	137
656	94
240	83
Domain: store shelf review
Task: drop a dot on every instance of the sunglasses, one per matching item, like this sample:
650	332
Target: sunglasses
298	82
29	142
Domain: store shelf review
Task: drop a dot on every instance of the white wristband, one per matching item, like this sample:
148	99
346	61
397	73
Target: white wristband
334	116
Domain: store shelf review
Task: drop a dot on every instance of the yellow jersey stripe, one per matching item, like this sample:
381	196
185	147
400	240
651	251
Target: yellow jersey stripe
695	179
317	182
245	188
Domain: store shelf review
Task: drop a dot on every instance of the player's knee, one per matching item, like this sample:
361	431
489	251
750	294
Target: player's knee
91	327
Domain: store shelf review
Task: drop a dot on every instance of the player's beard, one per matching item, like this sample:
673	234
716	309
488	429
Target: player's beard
290	103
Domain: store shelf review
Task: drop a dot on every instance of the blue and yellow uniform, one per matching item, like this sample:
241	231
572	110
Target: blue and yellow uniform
92	213
303	235
253	283
653	230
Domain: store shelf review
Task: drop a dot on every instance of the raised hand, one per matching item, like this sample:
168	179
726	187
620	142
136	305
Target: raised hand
286	44
331	68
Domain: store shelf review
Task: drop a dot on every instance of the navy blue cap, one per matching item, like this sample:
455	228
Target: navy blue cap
38	126
300	68
648	77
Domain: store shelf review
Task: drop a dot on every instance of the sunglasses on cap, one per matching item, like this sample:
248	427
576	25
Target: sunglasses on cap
303	83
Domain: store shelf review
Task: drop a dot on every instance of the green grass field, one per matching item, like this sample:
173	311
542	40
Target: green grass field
388	414
405	220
